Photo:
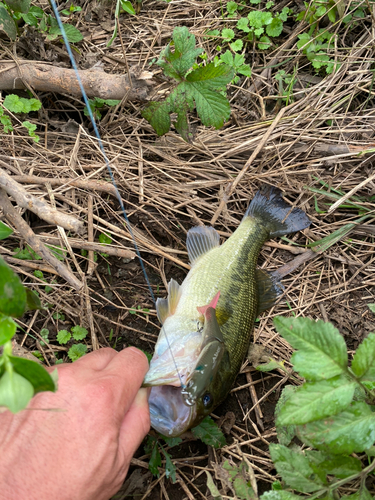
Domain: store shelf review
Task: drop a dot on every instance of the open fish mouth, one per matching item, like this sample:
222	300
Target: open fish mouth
170	416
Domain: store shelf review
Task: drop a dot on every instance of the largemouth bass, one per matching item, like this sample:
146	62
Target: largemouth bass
208	319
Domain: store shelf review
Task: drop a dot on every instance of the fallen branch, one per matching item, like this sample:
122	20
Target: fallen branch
39	207
48	78
102	186
34	242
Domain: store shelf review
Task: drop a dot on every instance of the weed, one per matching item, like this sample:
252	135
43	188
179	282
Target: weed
97	104
76	351
16	104
200	87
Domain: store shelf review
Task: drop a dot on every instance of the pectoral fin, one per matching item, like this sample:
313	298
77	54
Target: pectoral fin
167	307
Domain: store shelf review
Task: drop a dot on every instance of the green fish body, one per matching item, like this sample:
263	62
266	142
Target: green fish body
209	319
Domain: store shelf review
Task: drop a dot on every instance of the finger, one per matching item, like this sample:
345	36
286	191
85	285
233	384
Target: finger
96	360
127	371
135	426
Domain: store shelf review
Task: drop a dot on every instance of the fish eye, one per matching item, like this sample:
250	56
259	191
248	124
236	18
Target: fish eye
207	399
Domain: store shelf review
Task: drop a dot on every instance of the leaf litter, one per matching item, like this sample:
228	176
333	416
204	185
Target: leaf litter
320	150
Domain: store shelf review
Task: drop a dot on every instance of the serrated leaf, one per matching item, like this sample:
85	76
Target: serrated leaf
227	34
212	487
15	391
341	466
12	292
208	432
157	114
316	400
175	64
63	336
351	431
8	328
275	28
264	43
362	494
32	371
363	364
155	460
285	434
5	231
19	5
77	351
171	441
236	46
321	349
7	24
170	468
243	24
295	469
79	333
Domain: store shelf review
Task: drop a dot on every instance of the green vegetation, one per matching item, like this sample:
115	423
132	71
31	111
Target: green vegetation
20	378
76	351
16	104
200	87
96	105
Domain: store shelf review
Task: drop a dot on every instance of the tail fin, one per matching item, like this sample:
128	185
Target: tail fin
271	209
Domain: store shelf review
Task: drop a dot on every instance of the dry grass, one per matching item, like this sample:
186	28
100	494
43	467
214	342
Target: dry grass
322	140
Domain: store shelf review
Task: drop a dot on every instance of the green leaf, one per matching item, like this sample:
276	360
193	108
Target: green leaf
155	460
227	34
341	466
322	350
32	371
127	7
7	24
212	487
171	441
170	468
5	231
227	58
243	24
285	434
316	400
12	292
63	336
244	69
8	328
275	28
371	307
15	391
363	364
237	45
208	432
26	254
332	15
19	5
72	33
294	468
157	114
77	351
79	333
105	239
351	431
176	64
279	495
264	43
362	494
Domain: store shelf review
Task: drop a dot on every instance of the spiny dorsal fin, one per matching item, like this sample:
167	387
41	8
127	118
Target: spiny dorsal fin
167	307
201	240
269	288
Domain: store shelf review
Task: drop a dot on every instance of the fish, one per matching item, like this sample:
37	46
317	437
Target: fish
208	320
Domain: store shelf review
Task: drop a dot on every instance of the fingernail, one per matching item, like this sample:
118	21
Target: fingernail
141	399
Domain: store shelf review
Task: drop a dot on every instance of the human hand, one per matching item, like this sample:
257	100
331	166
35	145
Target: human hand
80	447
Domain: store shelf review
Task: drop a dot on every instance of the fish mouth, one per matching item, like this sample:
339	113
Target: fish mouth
170	416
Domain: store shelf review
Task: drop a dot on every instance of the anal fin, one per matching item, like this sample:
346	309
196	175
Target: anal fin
269	289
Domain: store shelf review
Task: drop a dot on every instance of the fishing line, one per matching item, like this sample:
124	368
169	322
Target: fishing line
101	147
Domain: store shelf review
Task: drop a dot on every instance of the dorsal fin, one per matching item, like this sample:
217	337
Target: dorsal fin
269	288
167	307
201	240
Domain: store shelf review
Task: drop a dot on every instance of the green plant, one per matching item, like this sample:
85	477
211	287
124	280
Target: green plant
207	431
200	87
96	104
316	9
286	84
316	49
125	6
332	412
236	479
16	104
20	378
76	351
237	63
40	275
12	11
